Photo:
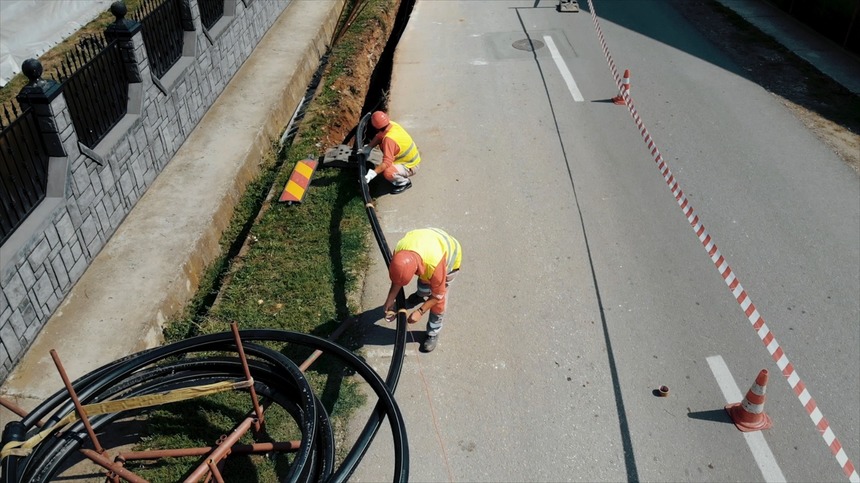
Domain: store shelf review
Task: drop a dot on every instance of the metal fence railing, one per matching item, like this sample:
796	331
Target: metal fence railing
95	87
211	12
161	22
23	168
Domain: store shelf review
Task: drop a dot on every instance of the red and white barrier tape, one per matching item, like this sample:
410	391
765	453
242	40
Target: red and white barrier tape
731	280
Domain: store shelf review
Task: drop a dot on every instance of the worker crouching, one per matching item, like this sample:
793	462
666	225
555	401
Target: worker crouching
434	256
400	158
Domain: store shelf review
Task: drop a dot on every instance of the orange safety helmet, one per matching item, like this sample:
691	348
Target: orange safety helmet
403	266
379	120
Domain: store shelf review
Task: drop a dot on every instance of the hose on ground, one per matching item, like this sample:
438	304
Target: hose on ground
190	362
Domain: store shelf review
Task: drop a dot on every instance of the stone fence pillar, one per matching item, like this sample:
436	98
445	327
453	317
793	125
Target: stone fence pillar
46	100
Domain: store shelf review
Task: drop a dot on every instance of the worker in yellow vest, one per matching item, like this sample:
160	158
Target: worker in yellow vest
434	256
400	158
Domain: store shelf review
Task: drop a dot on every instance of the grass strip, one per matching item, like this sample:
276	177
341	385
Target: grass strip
300	268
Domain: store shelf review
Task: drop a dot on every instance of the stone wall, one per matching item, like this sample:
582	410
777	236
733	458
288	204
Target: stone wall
90	191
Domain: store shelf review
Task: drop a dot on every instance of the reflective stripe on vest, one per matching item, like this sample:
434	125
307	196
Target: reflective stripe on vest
408	155
453	251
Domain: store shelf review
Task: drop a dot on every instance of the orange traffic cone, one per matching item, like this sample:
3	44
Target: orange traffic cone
748	415
625	86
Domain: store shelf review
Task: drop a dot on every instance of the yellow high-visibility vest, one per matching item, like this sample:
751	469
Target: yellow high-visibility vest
431	244
408	155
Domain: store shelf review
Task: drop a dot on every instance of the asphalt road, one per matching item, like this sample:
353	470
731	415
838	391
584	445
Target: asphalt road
583	286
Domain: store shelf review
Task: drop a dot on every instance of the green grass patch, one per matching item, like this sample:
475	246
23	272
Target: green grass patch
302	273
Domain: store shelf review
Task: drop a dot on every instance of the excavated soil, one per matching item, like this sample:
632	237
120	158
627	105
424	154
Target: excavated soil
353	85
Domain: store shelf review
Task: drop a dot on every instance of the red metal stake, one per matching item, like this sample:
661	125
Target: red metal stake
78	407
257	409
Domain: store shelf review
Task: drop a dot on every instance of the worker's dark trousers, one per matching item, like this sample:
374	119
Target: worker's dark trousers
434	322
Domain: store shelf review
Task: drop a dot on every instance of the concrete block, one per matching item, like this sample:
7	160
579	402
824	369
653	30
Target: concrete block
77	254
102	216
140	138
117	201
107	178
40	253
15	290
89	229
117	216
137	170
94	247
49	271
16	321
87	197
78	269
28	313
66	258
53	303
43	288
10	341
80	179
126	184
52	236
31	333
25	271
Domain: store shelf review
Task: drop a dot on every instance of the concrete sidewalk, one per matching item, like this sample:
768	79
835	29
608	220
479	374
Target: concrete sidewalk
151	266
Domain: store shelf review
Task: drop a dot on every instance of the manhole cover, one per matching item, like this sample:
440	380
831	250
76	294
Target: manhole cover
528	45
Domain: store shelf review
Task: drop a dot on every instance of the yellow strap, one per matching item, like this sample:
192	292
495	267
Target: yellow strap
23	448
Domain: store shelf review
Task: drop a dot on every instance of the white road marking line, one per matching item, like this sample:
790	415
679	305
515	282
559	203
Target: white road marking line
562	67
755	440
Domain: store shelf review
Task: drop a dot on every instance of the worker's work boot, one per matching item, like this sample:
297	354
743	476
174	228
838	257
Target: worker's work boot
430	343
401	188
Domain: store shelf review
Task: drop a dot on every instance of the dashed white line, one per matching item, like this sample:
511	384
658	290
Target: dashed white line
755	440
562	67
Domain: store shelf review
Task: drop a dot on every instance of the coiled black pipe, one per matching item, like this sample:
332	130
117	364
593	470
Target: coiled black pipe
275	375
360	154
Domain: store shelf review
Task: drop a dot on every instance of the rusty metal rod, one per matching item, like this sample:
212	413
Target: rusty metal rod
216	473
17	410
334	335
257	409
218	453
78	407
179	452
108	465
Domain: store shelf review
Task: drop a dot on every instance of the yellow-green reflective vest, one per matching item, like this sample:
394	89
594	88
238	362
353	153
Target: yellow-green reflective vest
408	155
431	244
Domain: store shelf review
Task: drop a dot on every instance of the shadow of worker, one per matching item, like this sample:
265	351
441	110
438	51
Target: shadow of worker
375	330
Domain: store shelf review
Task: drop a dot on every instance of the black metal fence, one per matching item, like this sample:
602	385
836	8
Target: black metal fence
162	31
23	168
211	11
95	87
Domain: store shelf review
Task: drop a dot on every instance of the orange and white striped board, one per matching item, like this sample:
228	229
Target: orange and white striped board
297	186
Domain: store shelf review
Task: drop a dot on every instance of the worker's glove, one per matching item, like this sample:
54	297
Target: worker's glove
369	176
